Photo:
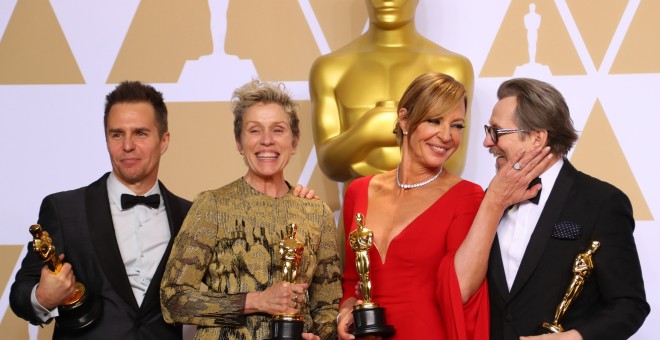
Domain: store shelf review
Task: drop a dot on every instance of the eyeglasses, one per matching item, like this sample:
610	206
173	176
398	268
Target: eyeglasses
494	133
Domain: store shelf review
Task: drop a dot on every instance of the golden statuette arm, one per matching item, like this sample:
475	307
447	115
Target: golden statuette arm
43	245
361	240
290	250
583	266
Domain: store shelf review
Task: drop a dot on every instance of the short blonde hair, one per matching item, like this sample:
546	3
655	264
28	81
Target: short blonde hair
431	95
258	91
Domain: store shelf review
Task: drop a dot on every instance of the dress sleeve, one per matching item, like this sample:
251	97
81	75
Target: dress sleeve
470	320
325	289
183	301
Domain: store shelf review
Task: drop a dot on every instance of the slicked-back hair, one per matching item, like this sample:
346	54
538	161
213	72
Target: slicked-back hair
256	92
431	95
540	106
137	92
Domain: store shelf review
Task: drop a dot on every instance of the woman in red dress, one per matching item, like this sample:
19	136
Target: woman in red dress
432	230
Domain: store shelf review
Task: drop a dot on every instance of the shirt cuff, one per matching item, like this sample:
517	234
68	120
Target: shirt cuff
40	311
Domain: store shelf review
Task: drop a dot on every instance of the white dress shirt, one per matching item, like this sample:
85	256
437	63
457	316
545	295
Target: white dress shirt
142	235
518	223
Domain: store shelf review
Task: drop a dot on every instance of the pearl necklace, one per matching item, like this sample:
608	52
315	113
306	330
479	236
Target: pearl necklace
415	185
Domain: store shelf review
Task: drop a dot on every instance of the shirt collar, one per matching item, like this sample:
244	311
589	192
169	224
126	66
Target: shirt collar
117	188
548	179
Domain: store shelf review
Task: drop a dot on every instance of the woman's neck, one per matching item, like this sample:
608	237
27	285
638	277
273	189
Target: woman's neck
271	186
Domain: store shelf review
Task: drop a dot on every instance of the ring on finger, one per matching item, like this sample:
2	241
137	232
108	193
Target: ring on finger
517	166
295	304
294	298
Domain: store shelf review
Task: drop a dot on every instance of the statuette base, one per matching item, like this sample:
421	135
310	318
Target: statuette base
370	321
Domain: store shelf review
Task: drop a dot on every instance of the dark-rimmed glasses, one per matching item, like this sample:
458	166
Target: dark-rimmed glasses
494	133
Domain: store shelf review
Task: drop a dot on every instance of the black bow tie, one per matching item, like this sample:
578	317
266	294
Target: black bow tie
536	198
129	201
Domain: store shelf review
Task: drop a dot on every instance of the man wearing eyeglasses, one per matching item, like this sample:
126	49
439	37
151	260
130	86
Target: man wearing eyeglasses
530	264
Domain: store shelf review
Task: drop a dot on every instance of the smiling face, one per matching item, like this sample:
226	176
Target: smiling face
508	145
435	139
267	142
135	145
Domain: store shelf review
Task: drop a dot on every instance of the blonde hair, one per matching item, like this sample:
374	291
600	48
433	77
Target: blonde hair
431	95
258	91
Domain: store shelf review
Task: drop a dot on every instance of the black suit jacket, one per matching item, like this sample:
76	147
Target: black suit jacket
80	224
612	304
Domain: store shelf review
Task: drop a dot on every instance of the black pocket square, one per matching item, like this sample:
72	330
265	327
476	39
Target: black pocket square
566	230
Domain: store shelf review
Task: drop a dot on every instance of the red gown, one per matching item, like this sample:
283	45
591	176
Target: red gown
417	285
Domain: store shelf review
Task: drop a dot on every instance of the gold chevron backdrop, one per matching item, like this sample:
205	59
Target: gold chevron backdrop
59	58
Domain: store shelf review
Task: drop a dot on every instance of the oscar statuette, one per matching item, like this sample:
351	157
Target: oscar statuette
368	317
78	311
289	326
582	268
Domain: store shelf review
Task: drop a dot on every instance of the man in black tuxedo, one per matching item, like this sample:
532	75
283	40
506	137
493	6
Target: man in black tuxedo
531	261
116	250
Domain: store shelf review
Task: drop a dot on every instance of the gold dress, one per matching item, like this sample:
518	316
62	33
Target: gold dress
229	242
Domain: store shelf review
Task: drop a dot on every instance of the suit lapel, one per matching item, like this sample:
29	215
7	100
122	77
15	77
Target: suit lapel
175	216
496	268
104	240
541	235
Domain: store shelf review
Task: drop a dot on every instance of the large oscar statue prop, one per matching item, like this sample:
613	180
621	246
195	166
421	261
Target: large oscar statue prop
368	317
289	326
354	92
582	268
78	311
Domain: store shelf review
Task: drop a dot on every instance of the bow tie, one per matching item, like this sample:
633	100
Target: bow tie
536	198
129	201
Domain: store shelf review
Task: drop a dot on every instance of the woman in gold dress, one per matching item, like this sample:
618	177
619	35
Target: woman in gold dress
229	240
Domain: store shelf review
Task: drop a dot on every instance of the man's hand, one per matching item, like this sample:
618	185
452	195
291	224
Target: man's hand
568	335
55	289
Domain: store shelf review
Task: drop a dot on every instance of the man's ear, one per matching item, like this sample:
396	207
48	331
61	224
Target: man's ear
164	142
540	137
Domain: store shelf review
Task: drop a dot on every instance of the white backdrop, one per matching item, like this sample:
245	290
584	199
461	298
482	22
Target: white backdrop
602	56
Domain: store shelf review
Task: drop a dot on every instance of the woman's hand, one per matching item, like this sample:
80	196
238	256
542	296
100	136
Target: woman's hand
510	184
281	298
304	192
344	321
310	336
345	318
358	292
